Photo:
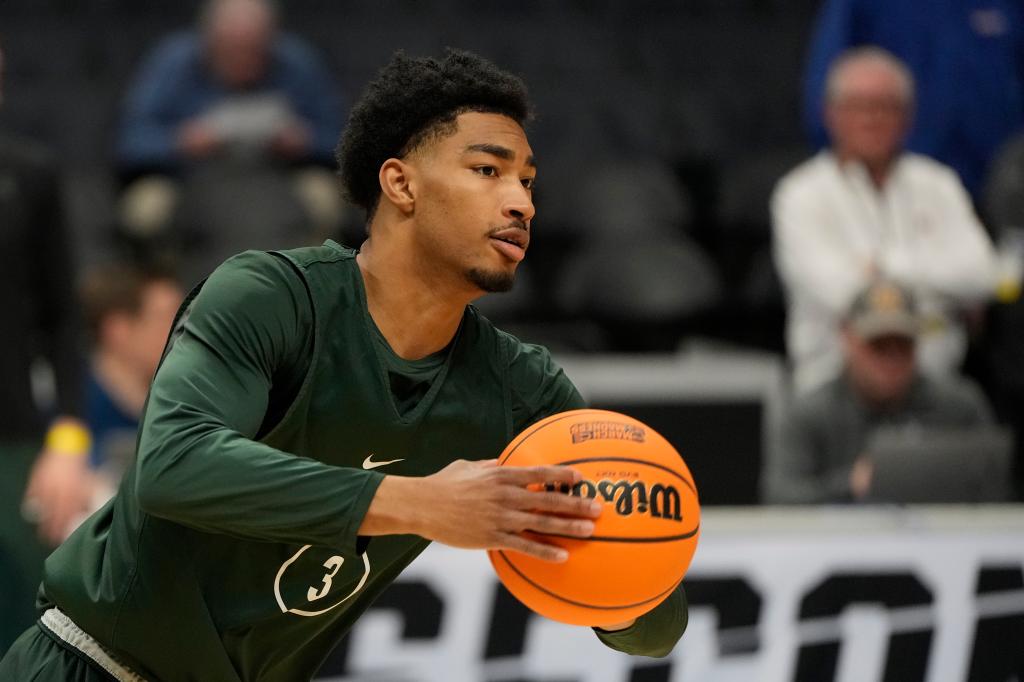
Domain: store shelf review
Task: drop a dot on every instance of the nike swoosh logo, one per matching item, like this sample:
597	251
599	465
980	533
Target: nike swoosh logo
368	463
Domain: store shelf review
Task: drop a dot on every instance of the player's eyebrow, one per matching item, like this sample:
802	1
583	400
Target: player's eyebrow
499	151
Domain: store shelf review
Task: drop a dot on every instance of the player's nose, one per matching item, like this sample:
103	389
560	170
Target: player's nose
519	205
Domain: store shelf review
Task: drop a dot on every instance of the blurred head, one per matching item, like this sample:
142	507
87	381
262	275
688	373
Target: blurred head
439	145
129	313
238	36
869	102
879	339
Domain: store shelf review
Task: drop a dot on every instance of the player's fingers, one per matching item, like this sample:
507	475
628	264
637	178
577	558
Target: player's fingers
552	525
556	503
486	463
539	550
524	476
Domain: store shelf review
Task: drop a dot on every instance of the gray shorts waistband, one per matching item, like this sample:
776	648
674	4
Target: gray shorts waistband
57	622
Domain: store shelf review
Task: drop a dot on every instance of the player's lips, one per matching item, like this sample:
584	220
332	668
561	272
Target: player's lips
512	242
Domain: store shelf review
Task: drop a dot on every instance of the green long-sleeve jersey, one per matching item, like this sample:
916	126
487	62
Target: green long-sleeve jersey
231	550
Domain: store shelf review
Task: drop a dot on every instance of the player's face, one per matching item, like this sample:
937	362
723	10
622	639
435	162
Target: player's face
868	118
475	200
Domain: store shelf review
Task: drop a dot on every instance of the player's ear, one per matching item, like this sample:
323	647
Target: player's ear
396	180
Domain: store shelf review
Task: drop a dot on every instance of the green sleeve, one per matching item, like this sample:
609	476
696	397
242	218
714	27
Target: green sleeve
539	386
197	462
655	633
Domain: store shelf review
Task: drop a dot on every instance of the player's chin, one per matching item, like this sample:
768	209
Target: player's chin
492	280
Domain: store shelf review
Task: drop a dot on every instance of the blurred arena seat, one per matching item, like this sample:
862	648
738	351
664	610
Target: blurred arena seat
755	313
628	199
644	292
674	94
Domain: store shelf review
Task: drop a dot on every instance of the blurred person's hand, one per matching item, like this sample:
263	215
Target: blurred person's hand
291	142
197	139
60	486
860	477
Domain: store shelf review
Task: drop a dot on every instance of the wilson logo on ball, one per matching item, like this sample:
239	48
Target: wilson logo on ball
663	502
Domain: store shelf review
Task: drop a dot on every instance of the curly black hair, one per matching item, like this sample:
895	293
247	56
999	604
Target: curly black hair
413	100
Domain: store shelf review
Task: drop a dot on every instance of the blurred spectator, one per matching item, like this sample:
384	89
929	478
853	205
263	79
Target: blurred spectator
864	209
967	57
40	323
236	103
820	454
129	314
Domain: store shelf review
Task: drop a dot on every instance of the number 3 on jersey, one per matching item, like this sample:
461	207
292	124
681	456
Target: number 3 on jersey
332	565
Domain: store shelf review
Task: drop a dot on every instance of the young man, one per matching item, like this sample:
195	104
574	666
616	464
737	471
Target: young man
302	437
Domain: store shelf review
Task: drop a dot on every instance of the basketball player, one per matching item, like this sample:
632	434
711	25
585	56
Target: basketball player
314	420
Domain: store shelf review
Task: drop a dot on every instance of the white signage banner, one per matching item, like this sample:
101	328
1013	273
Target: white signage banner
934	594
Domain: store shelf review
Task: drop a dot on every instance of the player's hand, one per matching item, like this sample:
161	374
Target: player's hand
479	505
488	507
59	490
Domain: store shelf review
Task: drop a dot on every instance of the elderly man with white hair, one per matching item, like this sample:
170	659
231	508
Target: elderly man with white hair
866	208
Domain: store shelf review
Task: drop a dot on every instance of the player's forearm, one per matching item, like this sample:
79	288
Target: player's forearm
221	482
396	508
411	505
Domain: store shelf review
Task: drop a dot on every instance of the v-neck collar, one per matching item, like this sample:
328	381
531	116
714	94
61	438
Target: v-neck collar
371	330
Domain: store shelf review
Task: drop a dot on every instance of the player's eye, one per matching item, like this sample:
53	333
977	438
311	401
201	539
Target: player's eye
529	183
487	171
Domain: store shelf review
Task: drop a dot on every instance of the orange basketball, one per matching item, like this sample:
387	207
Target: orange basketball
644	539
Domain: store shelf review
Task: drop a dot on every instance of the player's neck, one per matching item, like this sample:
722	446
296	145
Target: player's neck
416	313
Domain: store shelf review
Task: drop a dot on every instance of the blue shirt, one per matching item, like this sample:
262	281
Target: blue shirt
967	58
110	425
175	85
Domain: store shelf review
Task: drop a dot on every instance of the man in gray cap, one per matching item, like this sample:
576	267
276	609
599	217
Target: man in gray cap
819	452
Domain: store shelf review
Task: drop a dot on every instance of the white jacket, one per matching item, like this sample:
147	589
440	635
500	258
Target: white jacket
833	230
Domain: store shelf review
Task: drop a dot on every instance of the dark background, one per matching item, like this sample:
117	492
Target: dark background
701	95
